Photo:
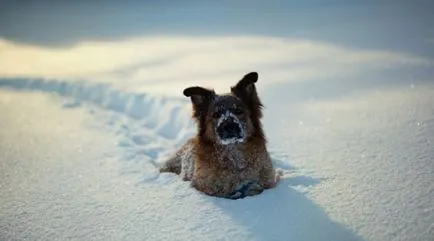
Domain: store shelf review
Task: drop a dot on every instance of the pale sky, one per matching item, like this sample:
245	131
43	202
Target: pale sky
392	24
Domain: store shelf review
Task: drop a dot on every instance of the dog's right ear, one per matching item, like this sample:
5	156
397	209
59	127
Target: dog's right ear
199	95
200	98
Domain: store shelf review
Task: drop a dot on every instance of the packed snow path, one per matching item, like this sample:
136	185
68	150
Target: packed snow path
81	165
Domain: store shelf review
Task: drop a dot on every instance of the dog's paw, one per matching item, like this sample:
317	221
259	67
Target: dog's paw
236	195
254	189
247	189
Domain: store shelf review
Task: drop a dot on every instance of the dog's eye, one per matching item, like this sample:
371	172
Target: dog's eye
216	114
237	111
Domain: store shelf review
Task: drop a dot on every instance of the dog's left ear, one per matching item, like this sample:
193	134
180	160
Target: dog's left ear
245	89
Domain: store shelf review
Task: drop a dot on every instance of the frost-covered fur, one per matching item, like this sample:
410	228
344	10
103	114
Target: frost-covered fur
224	167
234	140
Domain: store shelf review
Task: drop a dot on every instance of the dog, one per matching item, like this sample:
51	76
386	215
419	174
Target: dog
228	156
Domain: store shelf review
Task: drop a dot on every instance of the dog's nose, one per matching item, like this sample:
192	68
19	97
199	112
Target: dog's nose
232	127
229	124
229	129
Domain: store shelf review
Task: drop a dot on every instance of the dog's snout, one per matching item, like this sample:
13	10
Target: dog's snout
228	121
230	126
229	129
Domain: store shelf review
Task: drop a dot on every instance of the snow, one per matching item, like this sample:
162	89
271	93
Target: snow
83	165
165	64
376	151
91	105
64	176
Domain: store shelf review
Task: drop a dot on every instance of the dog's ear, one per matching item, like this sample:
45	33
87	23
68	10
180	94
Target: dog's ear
246	86
199	95
245	89
200	98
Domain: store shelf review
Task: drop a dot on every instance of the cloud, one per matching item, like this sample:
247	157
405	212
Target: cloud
167	63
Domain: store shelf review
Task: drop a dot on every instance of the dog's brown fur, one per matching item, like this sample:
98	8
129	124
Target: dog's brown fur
218	169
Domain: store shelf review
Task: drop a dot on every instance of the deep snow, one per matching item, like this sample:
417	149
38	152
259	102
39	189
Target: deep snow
67	175
81	164
91	101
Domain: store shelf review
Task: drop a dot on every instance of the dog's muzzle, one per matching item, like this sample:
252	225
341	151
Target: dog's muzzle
230	130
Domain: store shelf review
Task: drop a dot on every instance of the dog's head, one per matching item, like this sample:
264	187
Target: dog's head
231	118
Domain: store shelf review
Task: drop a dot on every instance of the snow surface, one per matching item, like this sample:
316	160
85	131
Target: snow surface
91	102
79	161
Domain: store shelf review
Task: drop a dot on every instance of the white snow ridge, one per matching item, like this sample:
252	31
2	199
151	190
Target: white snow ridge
79	162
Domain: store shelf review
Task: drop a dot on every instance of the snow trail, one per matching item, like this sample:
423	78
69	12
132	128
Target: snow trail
355	168
96	178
